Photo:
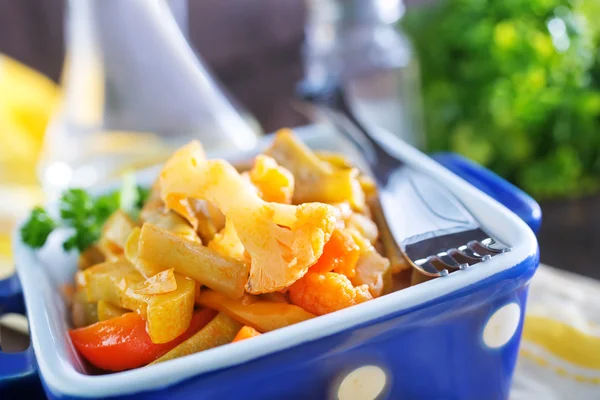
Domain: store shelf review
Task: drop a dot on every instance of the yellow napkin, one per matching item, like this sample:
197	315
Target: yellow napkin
560	349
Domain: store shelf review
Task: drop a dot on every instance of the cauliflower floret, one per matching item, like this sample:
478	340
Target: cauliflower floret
180	167
204	217
274	183
372	269
283	241
227	243
316	180
324	293
362	223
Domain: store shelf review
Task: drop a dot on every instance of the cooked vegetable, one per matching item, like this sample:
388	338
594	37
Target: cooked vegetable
372	269
316	180
202	216
273	182
109	250
116	229
173	223
324	293
167	315
281	240
83	312
67	290
228	244
108	282
90	257
163	282
181	163
246	332
267	258
363	225
122	343
336	160
262	315
221	330
275	297
159	250
340	254
81	213
109	311
210	219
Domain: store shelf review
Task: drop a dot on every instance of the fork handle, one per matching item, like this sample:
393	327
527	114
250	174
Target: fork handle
496	187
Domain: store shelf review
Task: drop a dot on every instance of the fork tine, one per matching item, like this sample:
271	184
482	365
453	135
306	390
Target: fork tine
480	249
463	258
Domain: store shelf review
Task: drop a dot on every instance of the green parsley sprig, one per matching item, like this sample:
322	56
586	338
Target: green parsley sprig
83	214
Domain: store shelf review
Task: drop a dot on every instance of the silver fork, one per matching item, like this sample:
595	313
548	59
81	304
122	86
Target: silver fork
433	229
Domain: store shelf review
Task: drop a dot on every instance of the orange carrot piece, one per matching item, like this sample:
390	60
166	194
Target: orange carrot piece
246	332
340	254
324	293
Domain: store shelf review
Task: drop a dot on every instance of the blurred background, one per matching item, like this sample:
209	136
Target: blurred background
513	85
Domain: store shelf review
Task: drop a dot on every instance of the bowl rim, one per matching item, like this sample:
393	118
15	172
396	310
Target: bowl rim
49	338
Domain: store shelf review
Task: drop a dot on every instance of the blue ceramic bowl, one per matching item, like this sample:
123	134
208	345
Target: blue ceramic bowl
451	338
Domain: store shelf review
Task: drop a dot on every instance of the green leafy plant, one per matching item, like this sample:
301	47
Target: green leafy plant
83	214
515	86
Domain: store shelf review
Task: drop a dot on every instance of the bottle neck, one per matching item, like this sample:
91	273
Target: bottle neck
354	11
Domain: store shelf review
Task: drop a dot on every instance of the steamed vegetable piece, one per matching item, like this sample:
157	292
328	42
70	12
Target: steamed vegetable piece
246	332
163	282
122	343
228	244
210	219
316	180
171	222
336	160
325	293
281	240
167	315
363	225
83	312
221	330
203	217
115	232
179	166
159	250
273	182
262	315
372	269
117	228
108	282
90	257
340	254
107	311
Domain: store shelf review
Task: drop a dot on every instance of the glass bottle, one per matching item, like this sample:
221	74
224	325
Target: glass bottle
133	91
358	43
